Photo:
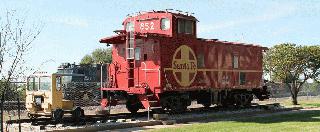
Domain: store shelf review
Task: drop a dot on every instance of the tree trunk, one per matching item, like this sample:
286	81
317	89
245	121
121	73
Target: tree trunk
294	94
295	100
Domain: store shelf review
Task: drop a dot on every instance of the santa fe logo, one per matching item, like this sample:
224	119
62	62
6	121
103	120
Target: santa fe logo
184	65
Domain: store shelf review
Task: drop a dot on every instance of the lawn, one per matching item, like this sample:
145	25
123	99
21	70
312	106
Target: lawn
307	121
304	102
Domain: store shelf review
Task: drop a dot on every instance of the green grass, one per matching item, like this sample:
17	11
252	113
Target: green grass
307	121
312	102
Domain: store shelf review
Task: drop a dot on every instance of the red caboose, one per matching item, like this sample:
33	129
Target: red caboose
158	62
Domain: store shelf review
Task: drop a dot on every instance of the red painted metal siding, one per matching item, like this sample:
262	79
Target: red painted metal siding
178	62
217	71
145	71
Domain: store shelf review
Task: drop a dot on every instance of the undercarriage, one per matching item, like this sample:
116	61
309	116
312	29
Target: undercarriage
177	102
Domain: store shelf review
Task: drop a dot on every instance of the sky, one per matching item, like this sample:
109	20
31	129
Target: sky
72	28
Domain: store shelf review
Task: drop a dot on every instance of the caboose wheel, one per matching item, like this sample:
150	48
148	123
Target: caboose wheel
243	99
133	108
57	115
176	104
133	104
77	114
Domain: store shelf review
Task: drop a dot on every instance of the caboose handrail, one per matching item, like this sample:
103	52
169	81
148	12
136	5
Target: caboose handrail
145	72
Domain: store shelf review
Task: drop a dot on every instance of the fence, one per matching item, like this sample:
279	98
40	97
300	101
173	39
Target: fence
278	90
12	102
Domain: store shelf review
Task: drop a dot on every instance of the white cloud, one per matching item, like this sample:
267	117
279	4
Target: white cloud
274	12
70	21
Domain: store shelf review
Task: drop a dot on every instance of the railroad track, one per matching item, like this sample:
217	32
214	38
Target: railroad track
88	119
91	119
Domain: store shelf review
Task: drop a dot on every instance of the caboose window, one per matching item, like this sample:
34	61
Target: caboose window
180	26
188	27
185	26
235	61
242	78
137	53
165	23
129	26
200	58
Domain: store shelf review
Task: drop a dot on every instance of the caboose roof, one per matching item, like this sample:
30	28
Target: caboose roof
116	39
176	14
231	43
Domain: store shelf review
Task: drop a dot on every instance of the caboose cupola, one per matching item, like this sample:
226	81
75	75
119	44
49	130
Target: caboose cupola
166	23
160	23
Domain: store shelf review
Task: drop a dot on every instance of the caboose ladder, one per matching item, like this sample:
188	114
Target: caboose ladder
130	57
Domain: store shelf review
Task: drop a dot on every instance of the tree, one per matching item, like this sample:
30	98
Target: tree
16	38
87	59
293	65
97	56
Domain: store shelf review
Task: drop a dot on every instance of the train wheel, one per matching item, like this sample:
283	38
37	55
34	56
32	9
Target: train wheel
133	104
133	108
177	105
249	98
77	114
57	115
243	99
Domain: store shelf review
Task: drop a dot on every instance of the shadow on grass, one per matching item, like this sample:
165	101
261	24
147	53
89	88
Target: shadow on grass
308	116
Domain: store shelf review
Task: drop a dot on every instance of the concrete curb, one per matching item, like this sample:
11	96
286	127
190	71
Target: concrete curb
111	126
